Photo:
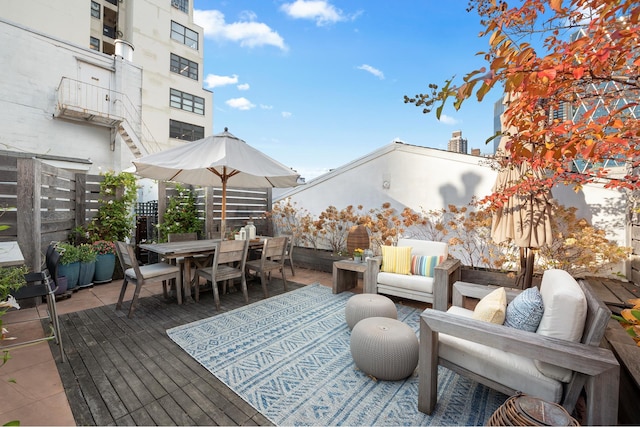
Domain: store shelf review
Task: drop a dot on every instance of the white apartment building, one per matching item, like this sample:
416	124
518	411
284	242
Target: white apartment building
91	84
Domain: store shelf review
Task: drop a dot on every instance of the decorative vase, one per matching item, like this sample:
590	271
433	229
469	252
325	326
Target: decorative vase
105	265
71	272
85	276
357	258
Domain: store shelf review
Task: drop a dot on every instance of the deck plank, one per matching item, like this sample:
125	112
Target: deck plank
129	372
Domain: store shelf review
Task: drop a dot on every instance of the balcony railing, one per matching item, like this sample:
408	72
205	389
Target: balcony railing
84	101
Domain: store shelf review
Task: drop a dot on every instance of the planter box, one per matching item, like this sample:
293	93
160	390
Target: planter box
483	276
315	259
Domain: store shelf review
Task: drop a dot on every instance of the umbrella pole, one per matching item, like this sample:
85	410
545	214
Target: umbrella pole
223	216
528	274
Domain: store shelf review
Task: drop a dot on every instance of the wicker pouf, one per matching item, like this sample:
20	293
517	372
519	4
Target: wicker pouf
384	348
368	305
523	410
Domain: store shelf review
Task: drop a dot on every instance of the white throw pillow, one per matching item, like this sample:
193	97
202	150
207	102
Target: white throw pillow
565	310
492	307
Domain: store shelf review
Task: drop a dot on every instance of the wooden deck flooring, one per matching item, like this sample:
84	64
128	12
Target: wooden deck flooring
128	372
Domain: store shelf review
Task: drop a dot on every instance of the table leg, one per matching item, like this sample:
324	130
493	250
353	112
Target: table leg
344	279
186	280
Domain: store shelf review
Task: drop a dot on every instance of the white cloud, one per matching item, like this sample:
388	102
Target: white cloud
368	68
240	104
243	86
213	80
316	10
248	32
448	120
266	107
286	114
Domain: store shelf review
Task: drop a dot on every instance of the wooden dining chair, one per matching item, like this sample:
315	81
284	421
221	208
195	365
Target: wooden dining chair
228	263
140	275
271	259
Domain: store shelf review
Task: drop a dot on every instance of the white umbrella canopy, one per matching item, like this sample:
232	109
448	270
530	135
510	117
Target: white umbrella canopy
217	161
524	219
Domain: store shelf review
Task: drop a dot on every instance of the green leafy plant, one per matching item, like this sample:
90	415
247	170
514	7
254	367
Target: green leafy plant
181	215
11	279
115	217
68	253
86	253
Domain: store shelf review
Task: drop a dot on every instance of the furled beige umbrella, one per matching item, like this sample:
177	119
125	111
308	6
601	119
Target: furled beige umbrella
217	160
524	218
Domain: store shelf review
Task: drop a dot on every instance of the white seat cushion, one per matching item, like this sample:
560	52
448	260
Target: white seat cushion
517	372
153	270
406	281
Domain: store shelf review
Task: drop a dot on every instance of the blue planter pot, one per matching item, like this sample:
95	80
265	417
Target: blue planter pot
87	269
71	272
105	265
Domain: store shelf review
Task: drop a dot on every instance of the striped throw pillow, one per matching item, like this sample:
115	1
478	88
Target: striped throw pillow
396	259
425	264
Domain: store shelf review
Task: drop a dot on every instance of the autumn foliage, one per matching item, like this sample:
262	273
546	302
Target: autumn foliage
577	247
587	63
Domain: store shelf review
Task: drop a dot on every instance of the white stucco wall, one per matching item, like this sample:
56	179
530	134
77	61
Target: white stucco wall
428	178
34	66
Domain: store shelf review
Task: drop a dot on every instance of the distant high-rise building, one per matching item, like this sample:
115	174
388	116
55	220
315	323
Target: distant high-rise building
457	143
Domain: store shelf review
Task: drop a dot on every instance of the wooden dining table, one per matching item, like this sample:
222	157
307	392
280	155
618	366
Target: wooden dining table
191	251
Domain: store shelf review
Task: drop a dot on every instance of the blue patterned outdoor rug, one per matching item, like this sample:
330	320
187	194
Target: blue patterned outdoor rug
288	356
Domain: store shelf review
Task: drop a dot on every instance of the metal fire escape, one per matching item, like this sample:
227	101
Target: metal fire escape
85	102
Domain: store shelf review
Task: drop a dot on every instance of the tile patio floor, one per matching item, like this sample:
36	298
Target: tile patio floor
31	389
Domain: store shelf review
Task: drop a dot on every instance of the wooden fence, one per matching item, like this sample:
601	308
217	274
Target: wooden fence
243	205
42	203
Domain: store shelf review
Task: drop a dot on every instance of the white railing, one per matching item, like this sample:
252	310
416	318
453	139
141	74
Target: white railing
109	105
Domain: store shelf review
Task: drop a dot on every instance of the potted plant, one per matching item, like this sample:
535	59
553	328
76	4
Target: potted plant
181	215
87	257
115	219
357	254
69	263
105	261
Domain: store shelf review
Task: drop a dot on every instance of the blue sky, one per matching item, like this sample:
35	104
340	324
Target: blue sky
317	84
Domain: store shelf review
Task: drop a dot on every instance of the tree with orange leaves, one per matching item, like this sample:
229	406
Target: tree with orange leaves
589	63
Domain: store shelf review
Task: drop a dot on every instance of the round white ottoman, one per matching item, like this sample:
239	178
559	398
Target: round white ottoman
385	348
368	305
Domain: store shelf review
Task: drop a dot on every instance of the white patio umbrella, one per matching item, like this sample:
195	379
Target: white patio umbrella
217	160
524	219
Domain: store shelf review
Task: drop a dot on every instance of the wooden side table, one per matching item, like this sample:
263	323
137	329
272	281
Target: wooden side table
345	275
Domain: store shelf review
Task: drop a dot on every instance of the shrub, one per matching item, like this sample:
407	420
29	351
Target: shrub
104	247
86	253
68	253
115	217
181	215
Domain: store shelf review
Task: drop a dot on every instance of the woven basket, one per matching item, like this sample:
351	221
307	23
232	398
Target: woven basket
358	237
523	410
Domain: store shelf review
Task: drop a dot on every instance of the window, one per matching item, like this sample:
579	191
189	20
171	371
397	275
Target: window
186	101
94	43
183	66
95	10
182	5
185	131
184	35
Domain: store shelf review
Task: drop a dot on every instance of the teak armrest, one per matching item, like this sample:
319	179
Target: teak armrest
590	360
